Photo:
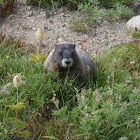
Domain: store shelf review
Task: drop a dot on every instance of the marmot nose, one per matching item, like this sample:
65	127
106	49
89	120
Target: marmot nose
68	62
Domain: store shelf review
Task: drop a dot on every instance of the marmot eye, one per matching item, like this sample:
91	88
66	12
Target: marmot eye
72	51
60	52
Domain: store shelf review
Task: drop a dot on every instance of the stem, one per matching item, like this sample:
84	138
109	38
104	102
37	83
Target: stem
17	94
38	48
16	113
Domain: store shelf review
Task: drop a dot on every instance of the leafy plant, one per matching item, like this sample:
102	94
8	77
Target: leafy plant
123	11
109	3
78	27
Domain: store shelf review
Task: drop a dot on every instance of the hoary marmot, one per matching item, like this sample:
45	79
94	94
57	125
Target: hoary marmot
70	61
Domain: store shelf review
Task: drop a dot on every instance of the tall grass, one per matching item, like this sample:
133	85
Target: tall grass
61	108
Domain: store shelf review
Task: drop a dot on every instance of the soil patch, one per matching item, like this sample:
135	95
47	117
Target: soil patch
24	21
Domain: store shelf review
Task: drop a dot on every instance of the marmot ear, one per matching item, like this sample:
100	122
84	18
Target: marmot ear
55	46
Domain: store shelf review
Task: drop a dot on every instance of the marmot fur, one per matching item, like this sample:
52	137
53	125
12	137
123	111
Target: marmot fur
69	61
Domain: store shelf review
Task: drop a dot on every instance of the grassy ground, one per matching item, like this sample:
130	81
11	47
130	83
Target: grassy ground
52	108
44	106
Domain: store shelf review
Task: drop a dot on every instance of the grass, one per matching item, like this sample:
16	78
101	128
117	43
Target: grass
56	108
63	109
136	34
91	13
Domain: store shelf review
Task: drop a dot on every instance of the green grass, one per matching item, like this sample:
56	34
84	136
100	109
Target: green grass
136	34
110	109
78	27
90	14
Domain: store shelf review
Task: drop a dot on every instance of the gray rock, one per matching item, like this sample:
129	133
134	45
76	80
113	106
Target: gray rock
63	25
133	23
4	88
34	29
47	14
123	138
79	43
61	39
30	13
85	37
22	1
28	8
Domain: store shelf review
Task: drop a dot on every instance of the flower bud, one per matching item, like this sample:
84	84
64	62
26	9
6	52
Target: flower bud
40	34
17	81
132	62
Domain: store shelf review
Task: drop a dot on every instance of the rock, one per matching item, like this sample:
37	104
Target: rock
47	14
63	25
94	33
91	42
22	1
51	21
34	29
30	13
4	88
28	8
85	37
133	23
137	6
61	39
123	138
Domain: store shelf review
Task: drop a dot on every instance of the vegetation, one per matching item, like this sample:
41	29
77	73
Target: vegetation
44	106
75	3
136	34
6	6
110	3
35	104
91	13
79	27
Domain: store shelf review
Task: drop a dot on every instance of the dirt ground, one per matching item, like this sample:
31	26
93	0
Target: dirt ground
24	22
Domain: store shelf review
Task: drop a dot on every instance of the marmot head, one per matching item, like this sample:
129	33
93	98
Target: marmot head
65	54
